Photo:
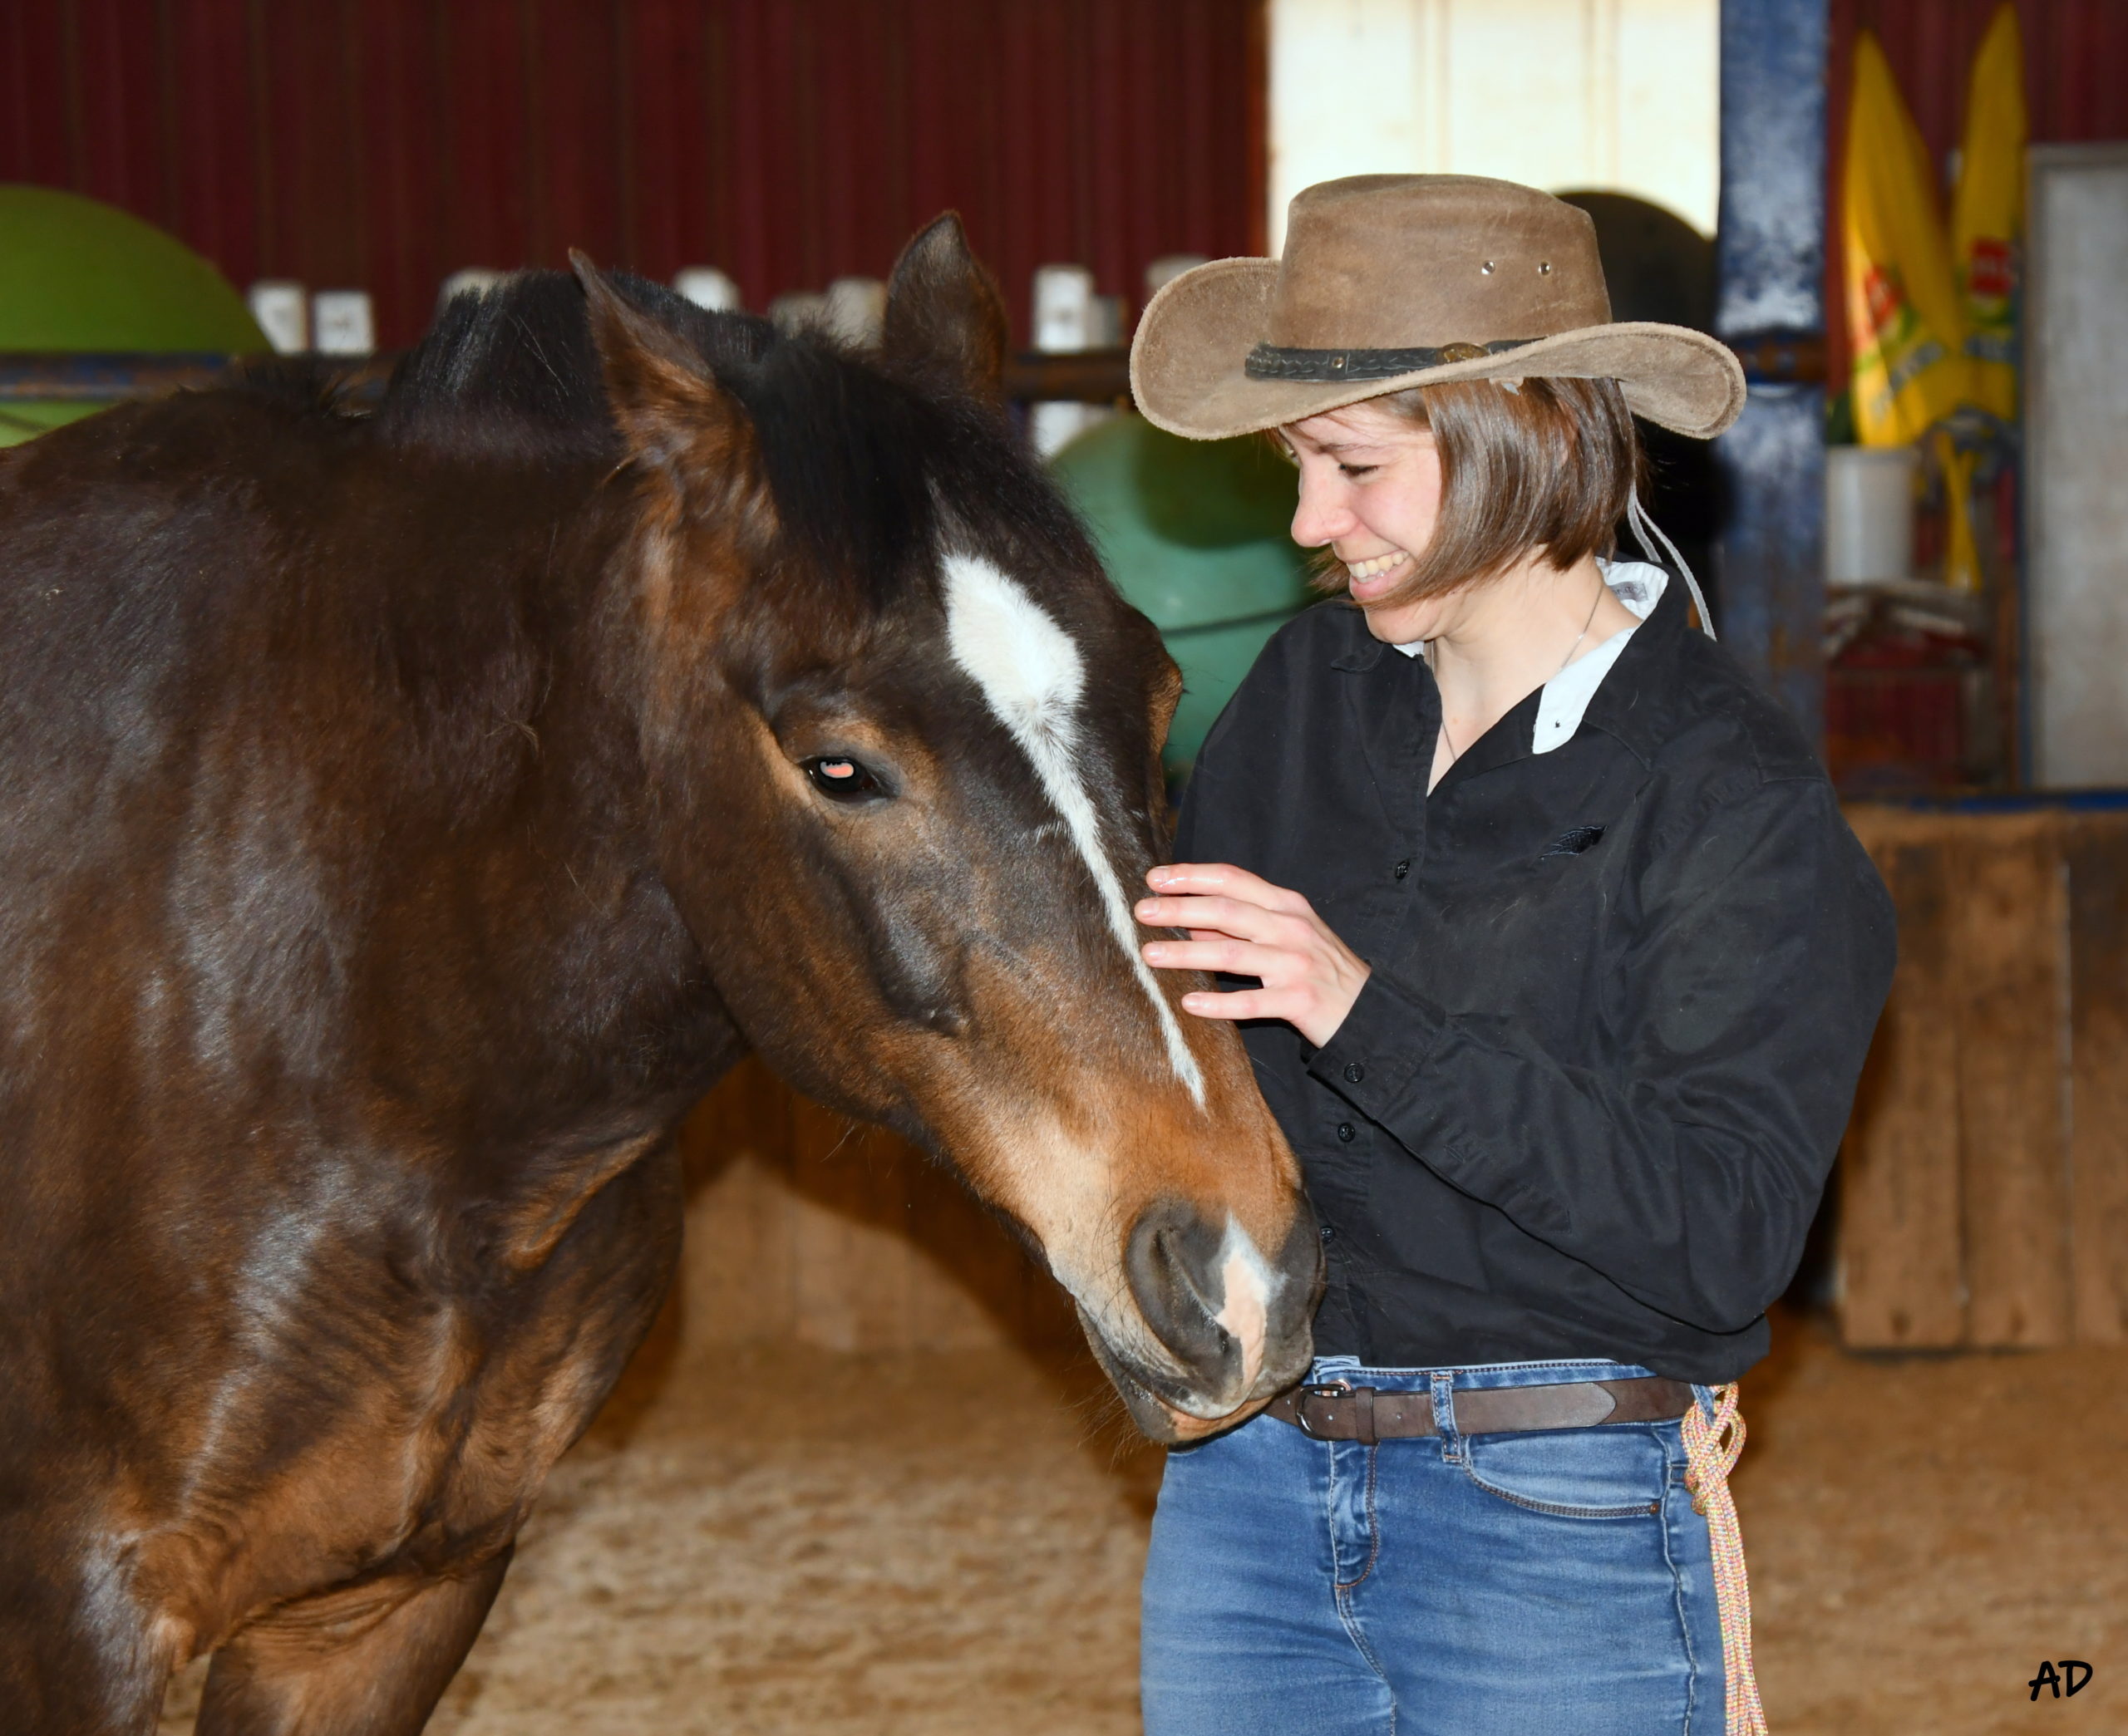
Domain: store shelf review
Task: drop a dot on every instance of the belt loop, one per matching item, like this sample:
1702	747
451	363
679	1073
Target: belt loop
1363	1414
1443	1386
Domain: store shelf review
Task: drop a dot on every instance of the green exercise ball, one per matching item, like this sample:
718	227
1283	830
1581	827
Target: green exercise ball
1195	535
77	274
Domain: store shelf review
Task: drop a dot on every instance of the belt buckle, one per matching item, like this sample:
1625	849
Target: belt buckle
1319	1389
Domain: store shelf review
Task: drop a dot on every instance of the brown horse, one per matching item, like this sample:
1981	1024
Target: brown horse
405	816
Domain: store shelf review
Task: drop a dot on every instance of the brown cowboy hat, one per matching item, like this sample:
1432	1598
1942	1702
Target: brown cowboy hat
1391	281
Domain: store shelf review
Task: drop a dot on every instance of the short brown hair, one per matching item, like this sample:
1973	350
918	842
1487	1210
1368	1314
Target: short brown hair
1549	464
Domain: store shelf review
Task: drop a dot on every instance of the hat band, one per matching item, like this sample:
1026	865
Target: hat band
1268	362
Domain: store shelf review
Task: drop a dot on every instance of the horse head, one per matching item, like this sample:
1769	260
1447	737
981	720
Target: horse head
875	659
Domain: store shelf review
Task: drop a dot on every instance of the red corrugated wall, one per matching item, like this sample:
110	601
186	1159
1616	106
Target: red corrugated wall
383	143
2076	86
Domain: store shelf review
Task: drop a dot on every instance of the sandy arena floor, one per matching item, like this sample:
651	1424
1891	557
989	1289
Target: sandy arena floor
807	1544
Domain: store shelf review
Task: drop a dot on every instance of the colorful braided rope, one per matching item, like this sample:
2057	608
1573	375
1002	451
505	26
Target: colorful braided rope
1711	1447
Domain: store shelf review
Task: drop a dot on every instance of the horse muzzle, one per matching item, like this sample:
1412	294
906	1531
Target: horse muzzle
1221	1329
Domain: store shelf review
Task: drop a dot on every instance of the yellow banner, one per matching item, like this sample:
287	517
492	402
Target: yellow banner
1988	214
1903	312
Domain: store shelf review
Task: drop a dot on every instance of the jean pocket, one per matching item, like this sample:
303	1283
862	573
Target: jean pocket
1615	1472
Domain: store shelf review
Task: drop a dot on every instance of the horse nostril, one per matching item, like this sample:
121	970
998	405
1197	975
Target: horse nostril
1173	1266
1170	1248
1227	1322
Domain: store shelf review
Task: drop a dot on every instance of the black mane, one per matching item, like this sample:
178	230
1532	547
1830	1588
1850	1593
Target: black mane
862	460
515	364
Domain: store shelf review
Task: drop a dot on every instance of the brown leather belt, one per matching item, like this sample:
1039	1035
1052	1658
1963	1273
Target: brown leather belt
1341	1412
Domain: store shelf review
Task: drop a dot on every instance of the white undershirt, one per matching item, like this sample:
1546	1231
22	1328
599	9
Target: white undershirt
1639	587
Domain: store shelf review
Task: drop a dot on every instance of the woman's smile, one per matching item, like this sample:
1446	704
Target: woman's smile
1376	575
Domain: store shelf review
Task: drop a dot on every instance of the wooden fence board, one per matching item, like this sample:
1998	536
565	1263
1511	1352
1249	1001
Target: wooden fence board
1902	1282
2096	852
977	1281
740	1262
802	1228
2009	925
853	1257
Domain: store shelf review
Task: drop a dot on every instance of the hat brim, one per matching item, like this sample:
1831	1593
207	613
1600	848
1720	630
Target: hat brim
1187	360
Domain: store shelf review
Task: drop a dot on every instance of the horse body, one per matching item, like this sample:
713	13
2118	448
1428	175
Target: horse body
316	1069
404	820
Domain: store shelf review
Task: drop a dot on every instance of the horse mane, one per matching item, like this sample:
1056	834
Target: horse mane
512	370
863	461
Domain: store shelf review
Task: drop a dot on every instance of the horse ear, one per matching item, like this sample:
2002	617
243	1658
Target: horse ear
944	315
673	416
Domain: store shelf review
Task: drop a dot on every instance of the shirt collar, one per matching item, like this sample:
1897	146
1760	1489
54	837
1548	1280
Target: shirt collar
1565	700
1631	702
1637	698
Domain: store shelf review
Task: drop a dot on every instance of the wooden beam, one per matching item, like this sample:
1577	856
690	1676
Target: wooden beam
2009	928
1770	304
1902	1270
2096	852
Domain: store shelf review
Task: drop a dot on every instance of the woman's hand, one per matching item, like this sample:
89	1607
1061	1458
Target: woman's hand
1249	927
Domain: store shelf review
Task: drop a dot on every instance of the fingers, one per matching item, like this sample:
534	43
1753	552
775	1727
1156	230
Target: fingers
1314	1014
1217	952
1244	1004
1240	925
1224	878
1225	915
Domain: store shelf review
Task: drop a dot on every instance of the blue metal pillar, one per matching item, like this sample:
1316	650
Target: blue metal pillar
1770	290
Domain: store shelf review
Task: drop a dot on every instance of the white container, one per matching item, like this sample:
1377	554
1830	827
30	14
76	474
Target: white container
796	309
282	308
857	311
1168	267
707	286
1064	314
1869	514
1105	323
341	323
1068	316
471	280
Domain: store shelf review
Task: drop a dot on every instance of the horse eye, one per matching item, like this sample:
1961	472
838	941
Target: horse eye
843	779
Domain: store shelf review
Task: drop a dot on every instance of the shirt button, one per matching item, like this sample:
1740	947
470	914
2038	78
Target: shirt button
1402	869
1354	1073
1347	1132
1327	1232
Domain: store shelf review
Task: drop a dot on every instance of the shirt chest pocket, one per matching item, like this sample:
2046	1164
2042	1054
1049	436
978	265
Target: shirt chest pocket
1574	841
1521	918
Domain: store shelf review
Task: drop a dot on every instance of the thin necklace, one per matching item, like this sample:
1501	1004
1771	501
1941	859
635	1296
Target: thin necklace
1455	753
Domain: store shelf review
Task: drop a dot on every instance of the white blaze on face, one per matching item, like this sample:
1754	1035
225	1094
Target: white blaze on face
1245	1303
1032	673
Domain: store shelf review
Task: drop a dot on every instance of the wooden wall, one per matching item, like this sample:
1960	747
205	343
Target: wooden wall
804	1228
381	144
1984	1194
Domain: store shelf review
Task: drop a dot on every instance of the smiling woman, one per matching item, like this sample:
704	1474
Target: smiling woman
1550	464
1556	964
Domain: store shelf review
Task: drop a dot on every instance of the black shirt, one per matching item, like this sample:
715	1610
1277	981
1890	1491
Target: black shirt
1587	1102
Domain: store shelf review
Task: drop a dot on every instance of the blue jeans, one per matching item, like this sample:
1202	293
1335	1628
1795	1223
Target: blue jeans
1496	1584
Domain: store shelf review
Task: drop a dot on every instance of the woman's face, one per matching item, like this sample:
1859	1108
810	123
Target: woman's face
1370	491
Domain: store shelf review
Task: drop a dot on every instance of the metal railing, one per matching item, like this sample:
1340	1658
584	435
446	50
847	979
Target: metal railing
1033	377
1085	376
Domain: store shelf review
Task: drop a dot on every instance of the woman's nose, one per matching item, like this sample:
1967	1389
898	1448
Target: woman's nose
1319	516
